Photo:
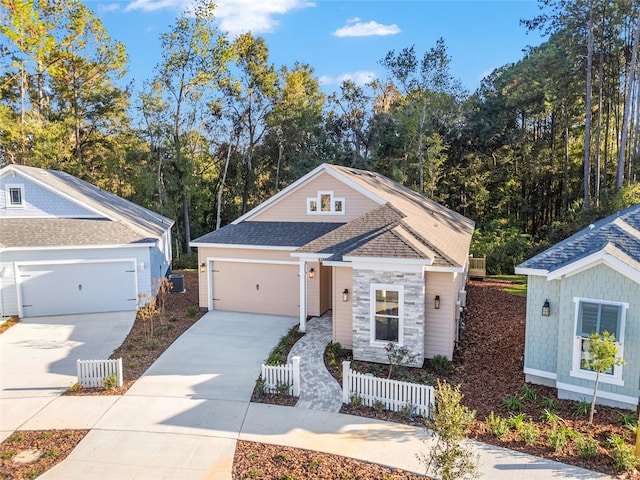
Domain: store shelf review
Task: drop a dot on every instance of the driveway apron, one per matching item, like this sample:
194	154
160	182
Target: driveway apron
38	359
181	419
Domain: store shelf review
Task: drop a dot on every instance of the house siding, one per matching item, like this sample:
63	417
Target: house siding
441	324
602	283
293	207
39	201
342	311
8	285
413	315
313	290
541	333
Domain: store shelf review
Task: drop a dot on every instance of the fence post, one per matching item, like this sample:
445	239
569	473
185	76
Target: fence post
120	374
296	375
346	370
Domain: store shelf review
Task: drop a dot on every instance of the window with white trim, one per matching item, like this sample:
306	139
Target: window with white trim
597	316
15	196
387	313
325	204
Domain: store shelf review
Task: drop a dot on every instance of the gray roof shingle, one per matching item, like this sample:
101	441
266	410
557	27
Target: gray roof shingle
274	234
621	230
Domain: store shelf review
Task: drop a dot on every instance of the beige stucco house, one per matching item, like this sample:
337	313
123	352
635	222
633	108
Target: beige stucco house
390	264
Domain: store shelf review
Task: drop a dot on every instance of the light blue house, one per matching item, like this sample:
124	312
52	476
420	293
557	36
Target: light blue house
588	283
68	247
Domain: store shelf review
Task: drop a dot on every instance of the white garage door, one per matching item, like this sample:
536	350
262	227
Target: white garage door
71	288
256	287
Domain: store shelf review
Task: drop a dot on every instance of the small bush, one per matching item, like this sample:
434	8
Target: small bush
282	388
528	432
374	369
428	378
192	310
513	403
514	421
550	417
355	400
557	438
407	412
378	406
76	387
110	381
333	352
582	409
497	425
587	446
622	453
528	393
629	419
260	388
441	365
550	404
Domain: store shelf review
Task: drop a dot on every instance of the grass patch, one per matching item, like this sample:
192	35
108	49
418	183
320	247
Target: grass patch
519	289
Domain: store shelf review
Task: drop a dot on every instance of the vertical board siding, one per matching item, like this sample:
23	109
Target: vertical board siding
342	311
440	325
91	373
395	395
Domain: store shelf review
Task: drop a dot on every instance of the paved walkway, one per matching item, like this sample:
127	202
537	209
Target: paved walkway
318	389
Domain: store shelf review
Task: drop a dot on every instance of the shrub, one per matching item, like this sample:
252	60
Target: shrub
582	409
378	406
374	369
333	352
528	432
261	387
550	404
629	419
192	310
110	381
398	356
622	453
355	400
497	425
282	388
76	387
587	446
513	403
550	417
528	393
407	412
441	365
557	438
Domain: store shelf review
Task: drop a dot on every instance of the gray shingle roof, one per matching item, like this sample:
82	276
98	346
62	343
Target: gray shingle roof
55	232
274	234
621	230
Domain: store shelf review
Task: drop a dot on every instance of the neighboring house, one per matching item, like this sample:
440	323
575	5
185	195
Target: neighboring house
389	263
68	247
588	283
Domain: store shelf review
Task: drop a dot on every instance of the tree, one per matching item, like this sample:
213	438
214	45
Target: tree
602	356
448	458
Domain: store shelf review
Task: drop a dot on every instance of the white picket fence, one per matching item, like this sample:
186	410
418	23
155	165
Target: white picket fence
91	373
394	394
289	374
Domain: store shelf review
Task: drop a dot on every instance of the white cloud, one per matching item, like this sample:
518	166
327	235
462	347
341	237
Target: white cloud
233	16
359	78
110	7
355	28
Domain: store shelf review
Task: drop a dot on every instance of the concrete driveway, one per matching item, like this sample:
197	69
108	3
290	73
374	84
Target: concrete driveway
38	359
182	417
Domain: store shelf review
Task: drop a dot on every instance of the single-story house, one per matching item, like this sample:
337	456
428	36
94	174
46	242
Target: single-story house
588	283
389	263
68	247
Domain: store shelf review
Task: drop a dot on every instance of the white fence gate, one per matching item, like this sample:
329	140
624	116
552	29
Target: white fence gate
394	394
91	373
276	375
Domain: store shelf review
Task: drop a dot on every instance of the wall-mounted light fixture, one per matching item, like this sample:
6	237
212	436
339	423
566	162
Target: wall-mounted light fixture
546	308
345	295
203	267
436	302
312	273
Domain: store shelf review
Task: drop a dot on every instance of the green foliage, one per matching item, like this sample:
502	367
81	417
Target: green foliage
629	419
398	356
110	381
407	412
622	453
185	261
282	388
260	388
528	432
581	409
513	402
550	417
528	392
550	404
557	437
442	365
355	401
505	247
192	311
448	458
332	352
514	421
378	406
278	355
587	446
498	425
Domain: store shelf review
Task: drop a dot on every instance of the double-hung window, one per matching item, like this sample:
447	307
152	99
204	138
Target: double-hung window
597	316
15	196
386	313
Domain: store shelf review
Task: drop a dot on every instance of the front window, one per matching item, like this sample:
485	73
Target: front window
597	316
325	204
386	315
15	196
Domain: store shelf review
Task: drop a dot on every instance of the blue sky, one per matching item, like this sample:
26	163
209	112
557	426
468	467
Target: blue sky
340	38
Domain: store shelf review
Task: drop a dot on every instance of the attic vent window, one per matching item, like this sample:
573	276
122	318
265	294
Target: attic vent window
15	196
325	204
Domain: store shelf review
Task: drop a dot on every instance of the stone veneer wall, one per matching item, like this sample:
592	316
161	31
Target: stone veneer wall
413	319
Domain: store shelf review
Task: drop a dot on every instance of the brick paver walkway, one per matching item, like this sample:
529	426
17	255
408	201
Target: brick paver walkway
318	389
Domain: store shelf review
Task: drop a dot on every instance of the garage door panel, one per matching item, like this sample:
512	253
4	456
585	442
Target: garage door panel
256	287
77	288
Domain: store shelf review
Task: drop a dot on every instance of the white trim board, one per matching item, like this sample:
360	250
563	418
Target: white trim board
243	246
588	392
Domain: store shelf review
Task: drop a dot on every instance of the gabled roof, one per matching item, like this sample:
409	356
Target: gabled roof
616	236
134	223
405	225
274	234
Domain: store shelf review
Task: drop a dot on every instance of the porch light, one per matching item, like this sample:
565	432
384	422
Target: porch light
312	273
436	302
546	310
203	267
345	295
